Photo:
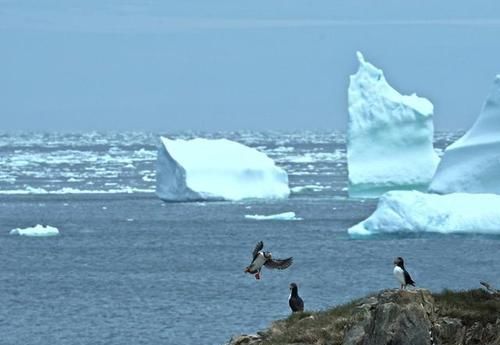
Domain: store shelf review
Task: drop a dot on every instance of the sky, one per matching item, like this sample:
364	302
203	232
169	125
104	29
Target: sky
221	65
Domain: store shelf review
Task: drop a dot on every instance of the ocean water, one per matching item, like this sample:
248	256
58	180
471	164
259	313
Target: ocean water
130	269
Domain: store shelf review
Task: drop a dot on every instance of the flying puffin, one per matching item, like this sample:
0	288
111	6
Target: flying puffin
401	273
294	301
261	258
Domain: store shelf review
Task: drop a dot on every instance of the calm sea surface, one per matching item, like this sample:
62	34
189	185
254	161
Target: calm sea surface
130	269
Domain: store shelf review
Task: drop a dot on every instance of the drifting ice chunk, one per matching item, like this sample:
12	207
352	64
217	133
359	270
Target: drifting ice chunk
412	211
203	169
36	231
279	216
389	136
472	163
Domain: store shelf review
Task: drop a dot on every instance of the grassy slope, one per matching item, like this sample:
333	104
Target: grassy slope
312	327
469	306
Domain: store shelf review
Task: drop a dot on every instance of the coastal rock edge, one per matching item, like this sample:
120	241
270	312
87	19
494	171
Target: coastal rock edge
413	317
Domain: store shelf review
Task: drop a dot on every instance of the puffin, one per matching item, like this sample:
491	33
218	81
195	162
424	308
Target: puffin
294	301
401	274
261	258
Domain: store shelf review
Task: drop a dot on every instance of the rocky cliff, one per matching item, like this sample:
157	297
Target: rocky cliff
393	317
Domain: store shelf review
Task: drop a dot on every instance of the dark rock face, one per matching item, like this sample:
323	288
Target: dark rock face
245	340
395	318
392	317
452	332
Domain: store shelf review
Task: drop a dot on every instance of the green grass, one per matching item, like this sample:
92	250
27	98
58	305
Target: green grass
469	306
323	327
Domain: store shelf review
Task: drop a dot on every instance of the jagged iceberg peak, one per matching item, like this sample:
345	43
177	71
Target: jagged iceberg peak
216	169
372	79
389	136
472	163
487	125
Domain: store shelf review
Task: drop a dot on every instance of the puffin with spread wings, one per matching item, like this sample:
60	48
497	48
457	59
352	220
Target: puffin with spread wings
261	258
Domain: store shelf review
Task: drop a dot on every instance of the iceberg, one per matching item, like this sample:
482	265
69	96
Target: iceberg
220	169
36	231
472	163
417	212
389	136
279	216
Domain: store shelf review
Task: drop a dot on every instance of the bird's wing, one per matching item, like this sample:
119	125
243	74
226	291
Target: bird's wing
296	304
257	249
408	279
278	263
301	304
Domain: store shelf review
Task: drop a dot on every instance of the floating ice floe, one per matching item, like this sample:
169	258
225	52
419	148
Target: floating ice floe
417	212
204	169
72	179
472	163
313	157
311	187
36	231
279	216
389	136
70	190
282	149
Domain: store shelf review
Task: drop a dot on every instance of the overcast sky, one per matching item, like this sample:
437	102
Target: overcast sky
222	65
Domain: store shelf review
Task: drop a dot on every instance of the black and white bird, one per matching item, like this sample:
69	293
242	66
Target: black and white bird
294	301
401	273
261	258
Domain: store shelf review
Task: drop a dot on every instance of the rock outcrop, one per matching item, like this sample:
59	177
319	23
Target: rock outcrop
414	317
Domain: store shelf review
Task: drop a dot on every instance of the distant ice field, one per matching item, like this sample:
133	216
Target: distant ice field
90	163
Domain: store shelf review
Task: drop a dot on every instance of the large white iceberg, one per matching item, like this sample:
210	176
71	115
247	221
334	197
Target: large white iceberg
415	212
389	136
36	231
472	163
205	169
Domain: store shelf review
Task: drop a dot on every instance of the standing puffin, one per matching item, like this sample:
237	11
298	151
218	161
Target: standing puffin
294	301
401	273
261	258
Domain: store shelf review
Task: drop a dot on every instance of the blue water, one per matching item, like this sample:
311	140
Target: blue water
130	269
